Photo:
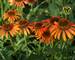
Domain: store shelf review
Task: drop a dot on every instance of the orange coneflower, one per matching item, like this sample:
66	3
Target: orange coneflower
11	15
65	30
9	30
25	27
49	23
42	33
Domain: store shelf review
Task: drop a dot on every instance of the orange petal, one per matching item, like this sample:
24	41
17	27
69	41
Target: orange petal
28	31
38	33
6	35
55	36
72	31
52	28
58	36
69	35
2	33
64	36
25	32
72	28
54	32
11	33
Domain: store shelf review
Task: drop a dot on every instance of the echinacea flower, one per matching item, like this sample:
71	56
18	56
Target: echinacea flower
11	16
65	30
42	33
25	27
9	30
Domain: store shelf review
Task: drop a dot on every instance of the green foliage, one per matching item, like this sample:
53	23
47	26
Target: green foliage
27	48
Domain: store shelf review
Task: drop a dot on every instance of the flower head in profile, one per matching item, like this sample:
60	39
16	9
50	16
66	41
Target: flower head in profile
11	16
25	27
44	35
9	30
65	30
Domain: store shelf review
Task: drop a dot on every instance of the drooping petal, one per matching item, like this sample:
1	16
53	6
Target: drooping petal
55	36
28	31
69	35
25	32
72	31
64	36
53	33
52	28
59	34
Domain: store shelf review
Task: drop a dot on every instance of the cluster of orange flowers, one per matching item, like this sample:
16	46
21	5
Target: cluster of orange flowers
53	28
12	22
47	31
